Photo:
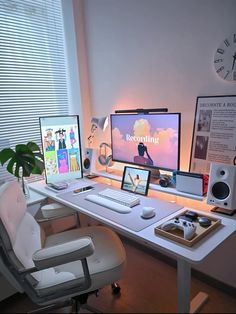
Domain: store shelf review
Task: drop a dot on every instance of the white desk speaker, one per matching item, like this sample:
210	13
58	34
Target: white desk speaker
222	186
89	160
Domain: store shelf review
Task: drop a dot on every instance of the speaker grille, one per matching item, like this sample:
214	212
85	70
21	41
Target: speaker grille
86	163
220	190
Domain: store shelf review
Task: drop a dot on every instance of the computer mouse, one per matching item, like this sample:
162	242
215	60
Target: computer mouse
148	212
204	221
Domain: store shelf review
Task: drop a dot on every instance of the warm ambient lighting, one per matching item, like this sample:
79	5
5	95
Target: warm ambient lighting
100	123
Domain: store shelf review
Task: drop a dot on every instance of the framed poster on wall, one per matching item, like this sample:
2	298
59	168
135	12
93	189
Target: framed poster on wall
214	132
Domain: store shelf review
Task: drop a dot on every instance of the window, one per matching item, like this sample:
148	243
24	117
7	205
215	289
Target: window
33	73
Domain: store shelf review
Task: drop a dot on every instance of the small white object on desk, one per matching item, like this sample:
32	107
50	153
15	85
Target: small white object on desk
148	212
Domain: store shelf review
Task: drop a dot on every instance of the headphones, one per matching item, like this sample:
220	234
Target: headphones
103	158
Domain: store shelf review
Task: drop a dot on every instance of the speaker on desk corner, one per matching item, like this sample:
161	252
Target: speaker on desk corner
89	160
221	187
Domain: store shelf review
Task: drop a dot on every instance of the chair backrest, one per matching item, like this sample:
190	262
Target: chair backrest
12	208
19	232
20	238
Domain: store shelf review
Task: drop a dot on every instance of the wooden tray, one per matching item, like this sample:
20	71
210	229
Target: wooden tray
178	235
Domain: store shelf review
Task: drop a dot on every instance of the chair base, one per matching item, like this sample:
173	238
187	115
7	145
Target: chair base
115	288
51	307
80	301
77	302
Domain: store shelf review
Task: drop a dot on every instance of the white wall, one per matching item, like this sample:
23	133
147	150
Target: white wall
154	53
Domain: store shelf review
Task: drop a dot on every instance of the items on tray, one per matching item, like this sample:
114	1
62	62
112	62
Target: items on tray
188	228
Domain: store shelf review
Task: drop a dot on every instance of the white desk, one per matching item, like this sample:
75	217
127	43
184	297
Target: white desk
185	255
114	175
34	202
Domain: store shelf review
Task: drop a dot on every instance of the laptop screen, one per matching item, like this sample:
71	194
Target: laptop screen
61	148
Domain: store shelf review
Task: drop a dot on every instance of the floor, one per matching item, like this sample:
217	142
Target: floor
148	286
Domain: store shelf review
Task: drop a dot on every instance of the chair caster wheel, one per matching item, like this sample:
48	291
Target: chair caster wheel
115	288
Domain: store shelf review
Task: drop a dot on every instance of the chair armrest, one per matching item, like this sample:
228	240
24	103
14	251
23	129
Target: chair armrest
63	253
26	271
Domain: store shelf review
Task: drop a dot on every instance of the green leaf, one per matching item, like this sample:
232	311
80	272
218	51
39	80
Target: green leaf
33	147
25	160
10	166
17	171
6	154
39	167
39	156
23	149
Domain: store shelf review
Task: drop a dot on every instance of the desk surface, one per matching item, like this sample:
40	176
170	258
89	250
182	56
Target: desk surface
147	236
132	220
115	175
35	198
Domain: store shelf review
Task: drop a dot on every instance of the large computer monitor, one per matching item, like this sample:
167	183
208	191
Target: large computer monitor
61	148
151	140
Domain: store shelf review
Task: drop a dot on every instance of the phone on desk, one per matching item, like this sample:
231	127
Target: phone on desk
84	189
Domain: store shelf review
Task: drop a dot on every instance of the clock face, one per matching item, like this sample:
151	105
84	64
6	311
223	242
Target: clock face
225	59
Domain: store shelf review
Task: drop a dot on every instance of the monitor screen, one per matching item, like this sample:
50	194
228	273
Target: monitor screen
61	148
151	140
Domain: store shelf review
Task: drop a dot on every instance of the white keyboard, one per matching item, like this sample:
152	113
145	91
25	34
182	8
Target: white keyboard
120	197
95	198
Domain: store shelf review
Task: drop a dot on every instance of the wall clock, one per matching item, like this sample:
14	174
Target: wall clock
225	59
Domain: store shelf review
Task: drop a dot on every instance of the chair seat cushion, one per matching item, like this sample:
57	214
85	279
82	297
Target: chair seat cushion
49	278
105	264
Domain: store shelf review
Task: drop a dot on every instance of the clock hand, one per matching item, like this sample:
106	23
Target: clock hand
234	56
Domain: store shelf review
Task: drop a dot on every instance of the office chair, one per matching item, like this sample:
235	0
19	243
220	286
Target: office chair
59	269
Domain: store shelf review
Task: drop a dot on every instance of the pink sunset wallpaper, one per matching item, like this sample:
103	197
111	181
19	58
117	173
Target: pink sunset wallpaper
146	139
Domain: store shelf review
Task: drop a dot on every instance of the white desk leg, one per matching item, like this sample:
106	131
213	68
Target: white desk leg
184	288
183	285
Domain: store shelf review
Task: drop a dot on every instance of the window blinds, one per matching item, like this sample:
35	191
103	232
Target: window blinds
33	80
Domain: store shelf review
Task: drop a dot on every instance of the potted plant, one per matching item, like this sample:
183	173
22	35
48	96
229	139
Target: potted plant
25	160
